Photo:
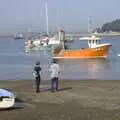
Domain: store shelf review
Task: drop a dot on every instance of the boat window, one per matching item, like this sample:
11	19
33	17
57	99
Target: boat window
97	41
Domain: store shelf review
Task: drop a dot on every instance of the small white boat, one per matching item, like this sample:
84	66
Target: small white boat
18	36
7	98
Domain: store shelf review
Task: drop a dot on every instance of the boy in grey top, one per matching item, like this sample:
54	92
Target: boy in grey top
55	70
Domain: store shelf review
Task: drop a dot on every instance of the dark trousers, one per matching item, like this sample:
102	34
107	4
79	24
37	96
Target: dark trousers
38	84
54	83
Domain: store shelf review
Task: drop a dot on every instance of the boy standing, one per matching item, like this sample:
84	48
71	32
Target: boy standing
55	70
36	74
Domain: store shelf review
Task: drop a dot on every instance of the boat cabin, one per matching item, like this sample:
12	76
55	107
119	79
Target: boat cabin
93	42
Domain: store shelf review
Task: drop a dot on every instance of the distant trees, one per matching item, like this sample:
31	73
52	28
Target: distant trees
110	26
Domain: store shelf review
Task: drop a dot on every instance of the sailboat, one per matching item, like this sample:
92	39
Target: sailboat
44	41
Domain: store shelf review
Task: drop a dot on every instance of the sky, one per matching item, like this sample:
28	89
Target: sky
72	15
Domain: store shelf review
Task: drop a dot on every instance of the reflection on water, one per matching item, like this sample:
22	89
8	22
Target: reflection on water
85	68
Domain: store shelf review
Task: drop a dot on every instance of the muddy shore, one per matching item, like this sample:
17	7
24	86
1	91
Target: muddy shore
76	100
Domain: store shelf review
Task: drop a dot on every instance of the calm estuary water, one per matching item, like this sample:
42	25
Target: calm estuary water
15	64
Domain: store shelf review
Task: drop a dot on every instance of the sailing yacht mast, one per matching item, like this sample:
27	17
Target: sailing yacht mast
46	12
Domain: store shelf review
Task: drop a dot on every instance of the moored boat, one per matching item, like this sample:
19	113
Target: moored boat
95	50
18	36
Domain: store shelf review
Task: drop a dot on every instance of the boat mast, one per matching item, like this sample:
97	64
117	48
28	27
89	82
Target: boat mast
46	12
89	30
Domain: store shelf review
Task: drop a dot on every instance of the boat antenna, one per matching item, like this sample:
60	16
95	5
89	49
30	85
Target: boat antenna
89	24
46	12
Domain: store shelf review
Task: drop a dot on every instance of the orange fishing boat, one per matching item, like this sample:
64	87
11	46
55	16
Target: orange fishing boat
95	50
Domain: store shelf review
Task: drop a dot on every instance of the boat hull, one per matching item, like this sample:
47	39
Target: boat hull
98	52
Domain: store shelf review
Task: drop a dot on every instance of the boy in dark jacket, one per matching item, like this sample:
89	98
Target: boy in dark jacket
36	75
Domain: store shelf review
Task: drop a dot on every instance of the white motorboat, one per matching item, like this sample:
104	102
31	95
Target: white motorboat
18	36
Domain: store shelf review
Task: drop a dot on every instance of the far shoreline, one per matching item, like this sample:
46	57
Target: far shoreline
82	34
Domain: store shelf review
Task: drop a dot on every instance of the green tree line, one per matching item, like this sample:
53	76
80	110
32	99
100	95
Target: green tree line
110	26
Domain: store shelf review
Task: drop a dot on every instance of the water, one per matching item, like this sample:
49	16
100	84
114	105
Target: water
15	64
